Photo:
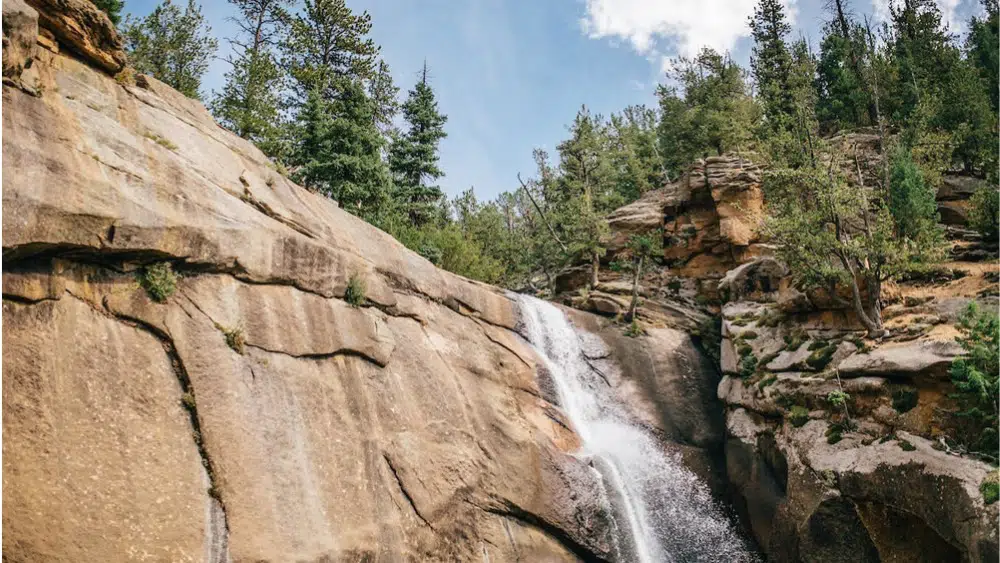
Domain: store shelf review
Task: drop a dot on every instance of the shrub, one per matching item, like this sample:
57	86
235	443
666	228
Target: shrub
747	365
187	399
990	488
984	213
821	357
838	399
767	381
975	377
159	281
834	434
162	141
234	338
674	286
355	292
749	335
903	400
905	446
634	329
912	201
798	416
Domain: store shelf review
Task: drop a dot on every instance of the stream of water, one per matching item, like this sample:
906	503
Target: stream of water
665	511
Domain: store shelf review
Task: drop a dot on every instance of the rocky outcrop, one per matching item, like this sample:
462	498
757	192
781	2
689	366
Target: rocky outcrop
83	29
872	479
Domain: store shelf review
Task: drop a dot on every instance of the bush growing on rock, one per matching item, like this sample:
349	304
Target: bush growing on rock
355	292
159	281
798	416
975	377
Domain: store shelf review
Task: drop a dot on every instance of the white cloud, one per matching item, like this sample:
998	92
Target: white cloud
659	28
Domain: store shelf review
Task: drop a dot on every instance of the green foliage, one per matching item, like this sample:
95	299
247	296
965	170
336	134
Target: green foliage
709	334
834	233
188	400
984	213
821	357
354	293
795	339
171	44
326	43
771	63
912	203
113	8
767	381
341	152
413	157
250	102
712	111
159	281
904	400
975	378
905	445
747	365
634	329
838	399
798	416
990	489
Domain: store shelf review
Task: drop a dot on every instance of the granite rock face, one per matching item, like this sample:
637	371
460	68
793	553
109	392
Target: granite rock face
254	415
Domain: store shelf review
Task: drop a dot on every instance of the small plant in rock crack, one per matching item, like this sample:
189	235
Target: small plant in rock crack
355	292
990	488
159	281
187	399
798	416
634	329
234	338
838	399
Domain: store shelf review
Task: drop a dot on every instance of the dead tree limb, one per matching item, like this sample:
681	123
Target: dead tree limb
542	213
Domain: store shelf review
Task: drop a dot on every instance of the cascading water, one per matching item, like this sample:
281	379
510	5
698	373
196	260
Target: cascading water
667	509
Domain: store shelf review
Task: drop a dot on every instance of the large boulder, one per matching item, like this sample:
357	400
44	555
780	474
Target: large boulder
906	359
84	29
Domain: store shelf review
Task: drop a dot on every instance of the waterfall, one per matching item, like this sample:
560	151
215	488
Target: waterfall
666	511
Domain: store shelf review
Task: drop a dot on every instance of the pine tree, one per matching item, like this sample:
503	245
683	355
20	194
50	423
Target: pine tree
342	151
384	94
249	102
113	8
771	62
172	45
585	189
413	157
983	46
327	41
844	99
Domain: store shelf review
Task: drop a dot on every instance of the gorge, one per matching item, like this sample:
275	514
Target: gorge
207	362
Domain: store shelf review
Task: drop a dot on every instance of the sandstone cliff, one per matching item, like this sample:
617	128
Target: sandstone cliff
254	414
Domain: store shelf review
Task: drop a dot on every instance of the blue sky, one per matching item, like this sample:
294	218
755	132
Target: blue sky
511	74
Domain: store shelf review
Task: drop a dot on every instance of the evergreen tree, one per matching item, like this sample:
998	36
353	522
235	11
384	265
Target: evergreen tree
172	45
342	151
384	94
586	189
635	153
912	203
249	102
771	62
413	157
983	46
113	8
844	99
325	42
715	115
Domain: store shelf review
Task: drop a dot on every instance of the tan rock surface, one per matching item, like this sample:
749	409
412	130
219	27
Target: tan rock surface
86	30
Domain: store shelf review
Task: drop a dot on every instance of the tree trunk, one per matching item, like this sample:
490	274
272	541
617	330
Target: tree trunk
635	290
595	267
872	318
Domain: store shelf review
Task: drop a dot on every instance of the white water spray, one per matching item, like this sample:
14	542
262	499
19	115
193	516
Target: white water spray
667	510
